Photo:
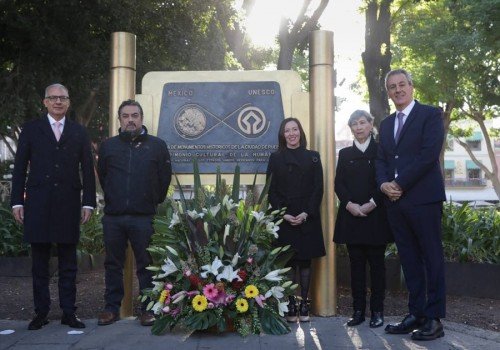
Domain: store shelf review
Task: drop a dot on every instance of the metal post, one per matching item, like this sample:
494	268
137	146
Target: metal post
321	101
122	87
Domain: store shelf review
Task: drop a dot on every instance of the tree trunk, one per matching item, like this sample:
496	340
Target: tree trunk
291	39
377	56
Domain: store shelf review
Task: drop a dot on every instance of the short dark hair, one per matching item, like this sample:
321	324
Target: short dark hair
130	103
281	134
398	71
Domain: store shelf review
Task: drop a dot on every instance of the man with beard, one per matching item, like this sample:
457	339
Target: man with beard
134	171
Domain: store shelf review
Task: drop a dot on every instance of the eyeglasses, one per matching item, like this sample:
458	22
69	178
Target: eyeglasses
54	98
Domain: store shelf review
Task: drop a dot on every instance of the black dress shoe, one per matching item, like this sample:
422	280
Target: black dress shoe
432	329
358	317
38	322
409	324
72	321
377	319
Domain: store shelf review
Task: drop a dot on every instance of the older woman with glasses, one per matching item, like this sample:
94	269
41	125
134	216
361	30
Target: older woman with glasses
361	221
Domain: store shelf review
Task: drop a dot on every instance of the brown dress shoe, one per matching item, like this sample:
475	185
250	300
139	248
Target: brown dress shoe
147	319
107	317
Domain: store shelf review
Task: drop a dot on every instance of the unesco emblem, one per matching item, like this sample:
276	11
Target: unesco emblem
252	121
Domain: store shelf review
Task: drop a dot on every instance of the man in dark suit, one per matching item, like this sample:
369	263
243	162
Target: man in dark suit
409	174
52	152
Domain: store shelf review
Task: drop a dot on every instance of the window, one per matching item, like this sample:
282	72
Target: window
473	174
449	174
474	145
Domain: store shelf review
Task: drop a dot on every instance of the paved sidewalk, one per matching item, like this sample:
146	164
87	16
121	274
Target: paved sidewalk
320	333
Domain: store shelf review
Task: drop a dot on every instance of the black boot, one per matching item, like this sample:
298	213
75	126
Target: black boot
357	317
304	308
291	315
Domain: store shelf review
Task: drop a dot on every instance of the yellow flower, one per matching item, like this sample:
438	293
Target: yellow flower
241	305
200	303
163	296
251	291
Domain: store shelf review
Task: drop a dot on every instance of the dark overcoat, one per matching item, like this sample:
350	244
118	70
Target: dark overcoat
48	179
355	182
297	184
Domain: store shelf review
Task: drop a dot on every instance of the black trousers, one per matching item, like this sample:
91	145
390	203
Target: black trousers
417	231
374	255
67	267
118	229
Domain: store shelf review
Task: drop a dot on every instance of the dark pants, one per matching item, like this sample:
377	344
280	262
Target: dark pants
119	229
359	255
67	267
417	231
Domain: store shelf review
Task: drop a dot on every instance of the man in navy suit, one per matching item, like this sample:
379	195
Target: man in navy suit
409	174
47	199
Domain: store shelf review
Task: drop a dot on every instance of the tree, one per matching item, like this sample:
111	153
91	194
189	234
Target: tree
67	41
377	56
294	35
452	49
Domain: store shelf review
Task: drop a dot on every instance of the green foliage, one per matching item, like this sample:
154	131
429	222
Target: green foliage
68	41
11	235
91	235
471	235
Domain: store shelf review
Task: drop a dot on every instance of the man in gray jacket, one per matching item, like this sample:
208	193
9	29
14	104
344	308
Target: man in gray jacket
134	171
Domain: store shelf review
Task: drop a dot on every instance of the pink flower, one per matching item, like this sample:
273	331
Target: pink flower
187	273
260	300
166	309
169	286
229	298
192	293
250	260
210	291
210	305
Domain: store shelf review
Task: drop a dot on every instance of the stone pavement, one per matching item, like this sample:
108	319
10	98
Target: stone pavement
320	334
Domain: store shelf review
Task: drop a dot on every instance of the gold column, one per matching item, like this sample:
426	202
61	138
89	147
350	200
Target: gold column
122	87
321	102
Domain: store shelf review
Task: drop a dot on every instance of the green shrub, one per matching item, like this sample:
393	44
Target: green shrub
11	235
471	235
91	235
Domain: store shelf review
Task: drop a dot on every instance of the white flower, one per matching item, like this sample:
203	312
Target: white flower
287	284
157	307
172	250
272	229
229	274
158	286
282	308
276	292
168	268
228	203
213	268
275	275
235	259
258	215
175	220
214	210
194	215
226	233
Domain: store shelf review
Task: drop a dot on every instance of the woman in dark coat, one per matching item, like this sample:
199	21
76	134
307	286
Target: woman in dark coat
361	220
297	184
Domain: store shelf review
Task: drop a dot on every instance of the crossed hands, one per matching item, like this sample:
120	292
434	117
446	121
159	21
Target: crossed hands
18	213
360	210
295	220
391	190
